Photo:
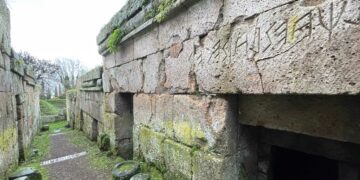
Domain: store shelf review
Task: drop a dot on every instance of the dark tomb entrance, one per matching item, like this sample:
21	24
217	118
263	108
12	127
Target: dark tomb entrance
20	124
293	165
124	124
81	120
95	130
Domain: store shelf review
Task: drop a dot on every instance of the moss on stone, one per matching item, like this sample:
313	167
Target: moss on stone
150	14
104	143
125	167
183	131
99	160
155	174
163	10
187	133
58	103
114	39
178	160
151	144
7	139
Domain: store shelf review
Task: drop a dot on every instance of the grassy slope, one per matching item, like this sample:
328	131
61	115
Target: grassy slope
48	109
57	102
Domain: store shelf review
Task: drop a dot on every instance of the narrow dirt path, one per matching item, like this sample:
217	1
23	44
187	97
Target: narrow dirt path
68	162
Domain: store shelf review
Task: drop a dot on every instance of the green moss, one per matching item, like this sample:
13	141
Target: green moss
194	149
102	161
125	167
163	10
42	143
19	62
57	102
104	143
59	125
114	39
71	91
7	139
150	14
152	142
48	109
183	131
155	174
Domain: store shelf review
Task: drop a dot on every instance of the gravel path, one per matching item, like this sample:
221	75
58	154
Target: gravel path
73	169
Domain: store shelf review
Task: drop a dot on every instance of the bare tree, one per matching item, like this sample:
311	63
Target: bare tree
69	71
45	71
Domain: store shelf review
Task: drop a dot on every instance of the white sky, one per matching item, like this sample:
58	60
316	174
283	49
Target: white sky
50	29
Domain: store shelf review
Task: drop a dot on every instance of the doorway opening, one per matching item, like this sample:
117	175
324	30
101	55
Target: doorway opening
288	164
124	124
95	130
81	120
20	124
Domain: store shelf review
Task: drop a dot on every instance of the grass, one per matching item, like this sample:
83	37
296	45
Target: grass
103	161
42	143
58	103
47	109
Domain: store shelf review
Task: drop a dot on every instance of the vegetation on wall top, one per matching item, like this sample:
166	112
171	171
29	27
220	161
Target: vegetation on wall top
114	39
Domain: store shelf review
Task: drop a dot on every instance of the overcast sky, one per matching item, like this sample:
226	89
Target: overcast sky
51	29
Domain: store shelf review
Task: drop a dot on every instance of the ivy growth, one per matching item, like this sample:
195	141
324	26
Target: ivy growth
163	10
114	39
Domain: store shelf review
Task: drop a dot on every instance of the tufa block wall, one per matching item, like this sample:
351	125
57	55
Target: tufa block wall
208	89
19	101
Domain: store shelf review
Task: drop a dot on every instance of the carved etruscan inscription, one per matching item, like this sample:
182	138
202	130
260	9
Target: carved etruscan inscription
267	39
332	19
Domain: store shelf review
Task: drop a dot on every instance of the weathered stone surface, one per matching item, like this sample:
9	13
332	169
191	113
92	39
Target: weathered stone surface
152	147
178	160
18	66
7	62
109	127
120	17
206	122
146	43
203	16
109	60
29	72
6	80
153	68
257	65
144	109
207	166
234	9
113	103
19	101
106	82
92	104
93	74
313	115
179	71
119	129
88	84
125	52
128	77
173	30
163	119
5	28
